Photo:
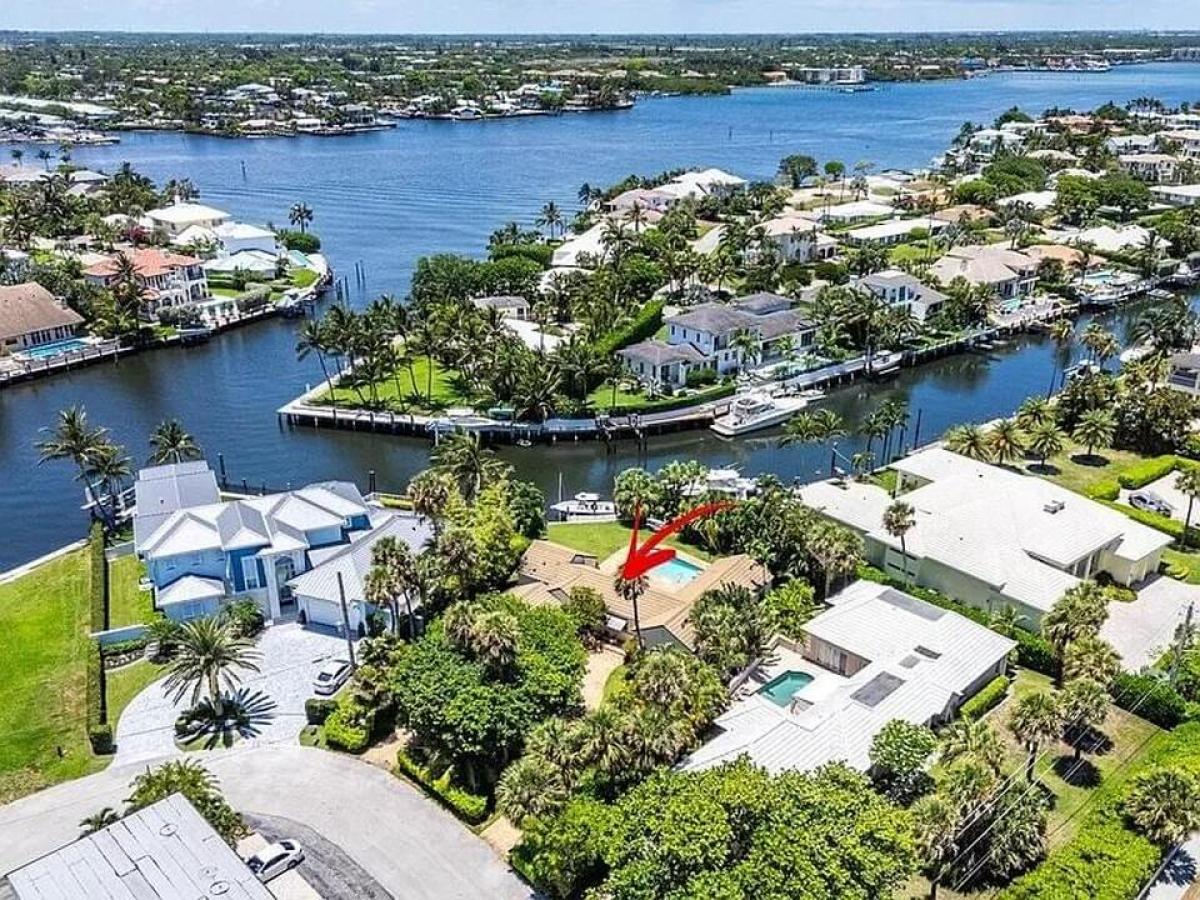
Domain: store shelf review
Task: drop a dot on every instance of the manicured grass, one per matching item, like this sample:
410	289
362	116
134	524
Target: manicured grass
1184	566
408	391
127	605
1075	470
44	625
602	539
601	397
225	292
910	253
615	684
303	278
886	479
127	682
1104	767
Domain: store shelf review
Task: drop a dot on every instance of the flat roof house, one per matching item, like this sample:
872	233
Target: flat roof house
991	537
180	216
1178	194
166	851
876	655
892	232
31	316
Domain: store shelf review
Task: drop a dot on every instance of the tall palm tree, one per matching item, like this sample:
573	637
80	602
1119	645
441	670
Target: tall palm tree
748	344
1085	706
1046	439
464	457
1006	442
814	427
111	467
300	215
935	833
313	338
172	444
631	590
969	440
1034	411
207	659
73	438
1036	718
1079	613
1188	482
551	217
430	493
1095	428
898	520
974	738
1092	658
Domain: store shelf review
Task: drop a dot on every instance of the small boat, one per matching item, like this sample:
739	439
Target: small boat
884	364
585	507
756	411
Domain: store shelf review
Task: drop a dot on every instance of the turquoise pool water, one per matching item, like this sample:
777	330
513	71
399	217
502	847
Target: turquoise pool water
782	688
55	349
676	572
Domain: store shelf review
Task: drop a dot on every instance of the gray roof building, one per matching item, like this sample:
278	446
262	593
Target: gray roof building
166	851
161	490
656	353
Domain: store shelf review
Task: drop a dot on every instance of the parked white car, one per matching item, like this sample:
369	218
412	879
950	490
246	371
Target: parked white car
332	676
1151	502
275	859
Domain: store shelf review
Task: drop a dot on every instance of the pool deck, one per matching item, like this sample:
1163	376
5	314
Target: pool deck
782	660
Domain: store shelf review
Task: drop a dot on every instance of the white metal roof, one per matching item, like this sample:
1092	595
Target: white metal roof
166	851
190	587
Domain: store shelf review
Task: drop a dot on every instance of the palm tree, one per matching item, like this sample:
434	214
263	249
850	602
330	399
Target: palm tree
630	590
969	440
898	519
313	338
973	738
1005	441
494	635
431	493
74	439
530	787
1006	621
1046	439
1092	658
551	217
1188	482
111	467
1085	707
172	444
935	832
1095	428
473	466
102	819
1164	805
1100	342
1079	613
1061	332
300	215
1036	718
1034	411
747	343
207	658
815	427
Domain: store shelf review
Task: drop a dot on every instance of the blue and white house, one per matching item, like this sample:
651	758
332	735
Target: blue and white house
200	551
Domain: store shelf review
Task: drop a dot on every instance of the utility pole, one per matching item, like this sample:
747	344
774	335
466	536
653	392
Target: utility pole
346	623
1182	637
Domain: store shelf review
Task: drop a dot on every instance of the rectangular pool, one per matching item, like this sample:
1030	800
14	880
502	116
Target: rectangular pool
676	572
57	348
782	688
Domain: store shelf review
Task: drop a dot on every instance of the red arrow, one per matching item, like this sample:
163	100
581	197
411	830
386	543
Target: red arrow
644	558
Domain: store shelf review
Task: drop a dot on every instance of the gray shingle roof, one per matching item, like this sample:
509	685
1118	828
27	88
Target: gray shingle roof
656	353
715	318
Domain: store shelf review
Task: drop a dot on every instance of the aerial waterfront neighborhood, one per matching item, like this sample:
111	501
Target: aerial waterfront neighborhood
799	515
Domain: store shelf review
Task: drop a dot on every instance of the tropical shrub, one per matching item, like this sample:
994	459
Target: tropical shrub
1104	489
471	808
1150	697
318	709
349	727
304	241
643	325
200	788
988	697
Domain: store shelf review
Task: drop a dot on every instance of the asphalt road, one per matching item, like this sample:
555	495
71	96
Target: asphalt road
406	843
327	869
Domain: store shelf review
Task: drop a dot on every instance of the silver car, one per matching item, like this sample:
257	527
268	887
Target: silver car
275	859
1151	502
332	676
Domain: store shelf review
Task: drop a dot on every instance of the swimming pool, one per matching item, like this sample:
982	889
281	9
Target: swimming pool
57	348
782	688
676	572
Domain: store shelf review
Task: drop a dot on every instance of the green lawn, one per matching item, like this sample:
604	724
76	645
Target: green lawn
127	605
602	397
1181	565
1124	730
127	682
303	278
399	393
602	539
44	625
615	683
1075	470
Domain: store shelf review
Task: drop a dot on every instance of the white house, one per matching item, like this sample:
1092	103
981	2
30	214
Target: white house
855	211
167	279
901	290
1010	273
876	655
1156	168
1177	194
238	236
30	316
991	537
893	231
796	238
712	327
180	216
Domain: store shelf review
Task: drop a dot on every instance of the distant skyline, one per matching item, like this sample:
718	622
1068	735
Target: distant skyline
597	16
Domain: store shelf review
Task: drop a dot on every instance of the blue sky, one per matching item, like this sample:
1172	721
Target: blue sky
480	16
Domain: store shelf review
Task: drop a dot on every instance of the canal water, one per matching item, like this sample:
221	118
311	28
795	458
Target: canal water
382	200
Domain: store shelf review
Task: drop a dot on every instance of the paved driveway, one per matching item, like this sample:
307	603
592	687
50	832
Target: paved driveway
1165	488
407	843
291	657
1141	630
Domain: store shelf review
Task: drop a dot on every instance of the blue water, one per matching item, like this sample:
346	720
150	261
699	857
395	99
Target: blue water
677	572
386	198
781	689
57	348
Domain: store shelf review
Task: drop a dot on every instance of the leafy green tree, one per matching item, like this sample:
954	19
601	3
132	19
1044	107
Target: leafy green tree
198	785
786	608
899	754
563	853
586	607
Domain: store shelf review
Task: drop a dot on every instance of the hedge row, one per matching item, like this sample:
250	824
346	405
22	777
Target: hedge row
1033	650
988	697
1105	489
647	321
1159	522
1142	473
99	731
471	808
1152	699
1108	860
349	728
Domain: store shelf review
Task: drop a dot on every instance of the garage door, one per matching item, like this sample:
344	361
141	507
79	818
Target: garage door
321	612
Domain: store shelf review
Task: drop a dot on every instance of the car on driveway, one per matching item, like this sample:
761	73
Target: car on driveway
1151	502
332	676
275	859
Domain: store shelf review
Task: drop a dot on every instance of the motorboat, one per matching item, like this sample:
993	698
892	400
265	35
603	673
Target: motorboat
884	364
756	411
585	507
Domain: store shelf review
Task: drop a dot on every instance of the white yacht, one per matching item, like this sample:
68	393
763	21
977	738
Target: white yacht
586	507
755	411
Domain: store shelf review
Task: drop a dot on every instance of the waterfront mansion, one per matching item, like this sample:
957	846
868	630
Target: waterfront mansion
707	337
298	553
